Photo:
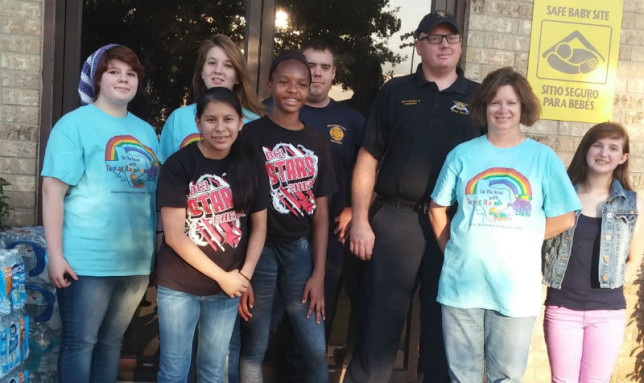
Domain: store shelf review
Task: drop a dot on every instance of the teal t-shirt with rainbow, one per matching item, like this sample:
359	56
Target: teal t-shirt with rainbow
180	130
111	168
493	256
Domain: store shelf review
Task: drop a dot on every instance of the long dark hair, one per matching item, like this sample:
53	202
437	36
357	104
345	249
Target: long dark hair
578	169
242	170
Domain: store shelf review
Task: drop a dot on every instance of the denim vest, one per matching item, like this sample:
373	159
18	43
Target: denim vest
619	214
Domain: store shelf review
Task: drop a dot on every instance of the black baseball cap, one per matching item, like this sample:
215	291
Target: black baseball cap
435	18
288	55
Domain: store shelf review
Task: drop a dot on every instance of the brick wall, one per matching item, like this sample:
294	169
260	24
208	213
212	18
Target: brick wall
498	34
20	87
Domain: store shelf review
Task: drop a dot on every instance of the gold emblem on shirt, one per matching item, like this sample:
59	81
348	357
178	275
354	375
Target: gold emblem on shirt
460	107
410	102
336	132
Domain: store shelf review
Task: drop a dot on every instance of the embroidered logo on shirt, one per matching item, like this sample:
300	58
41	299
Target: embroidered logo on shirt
131	161
292	172
499	194
336	132
460	107
411	102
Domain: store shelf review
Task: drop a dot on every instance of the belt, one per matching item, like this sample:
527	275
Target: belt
421	207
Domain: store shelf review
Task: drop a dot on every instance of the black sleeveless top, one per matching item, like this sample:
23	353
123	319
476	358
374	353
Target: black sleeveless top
580	287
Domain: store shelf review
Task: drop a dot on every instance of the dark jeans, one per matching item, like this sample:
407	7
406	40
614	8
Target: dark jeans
386	289
283	269
333	278
433	362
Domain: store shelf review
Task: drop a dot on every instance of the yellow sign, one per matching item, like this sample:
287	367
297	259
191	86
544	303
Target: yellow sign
574	49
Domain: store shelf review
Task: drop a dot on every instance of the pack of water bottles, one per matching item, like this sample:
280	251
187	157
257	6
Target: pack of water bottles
14	323
14	342
28	308
16	377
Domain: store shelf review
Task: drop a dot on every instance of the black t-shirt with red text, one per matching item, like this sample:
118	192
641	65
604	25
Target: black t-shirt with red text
191	181
299	169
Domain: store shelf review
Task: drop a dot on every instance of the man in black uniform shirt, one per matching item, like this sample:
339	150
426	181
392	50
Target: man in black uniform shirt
414	122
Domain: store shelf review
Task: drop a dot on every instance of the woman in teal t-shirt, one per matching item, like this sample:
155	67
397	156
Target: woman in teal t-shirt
99	181
219	63
511	193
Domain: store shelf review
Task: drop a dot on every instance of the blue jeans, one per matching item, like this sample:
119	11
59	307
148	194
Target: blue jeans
179	315
283	268
95	312
478	340
335	255
232	367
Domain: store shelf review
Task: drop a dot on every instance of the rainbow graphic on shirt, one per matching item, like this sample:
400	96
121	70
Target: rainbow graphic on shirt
500	194
190	138
131	161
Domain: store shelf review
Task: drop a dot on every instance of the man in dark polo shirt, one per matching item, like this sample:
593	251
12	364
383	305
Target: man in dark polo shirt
414	122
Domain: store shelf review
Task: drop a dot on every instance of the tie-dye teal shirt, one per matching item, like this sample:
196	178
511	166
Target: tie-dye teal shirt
493	257
109	211
180	129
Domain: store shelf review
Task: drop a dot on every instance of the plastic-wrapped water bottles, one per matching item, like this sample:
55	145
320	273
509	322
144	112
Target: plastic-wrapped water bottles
5	285
12	281
33	256
43	355
14	341
34	234
22	264
17	377
17	329
4	346
18	292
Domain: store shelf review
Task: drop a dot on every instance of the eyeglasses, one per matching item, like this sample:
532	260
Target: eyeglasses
438	39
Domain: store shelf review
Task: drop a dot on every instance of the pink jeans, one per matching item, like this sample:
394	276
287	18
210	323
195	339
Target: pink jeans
583	345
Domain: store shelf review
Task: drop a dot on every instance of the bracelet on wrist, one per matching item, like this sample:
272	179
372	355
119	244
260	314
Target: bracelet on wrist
240	273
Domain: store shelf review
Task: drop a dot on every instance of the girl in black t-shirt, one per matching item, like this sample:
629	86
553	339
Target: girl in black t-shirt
213	203
300	176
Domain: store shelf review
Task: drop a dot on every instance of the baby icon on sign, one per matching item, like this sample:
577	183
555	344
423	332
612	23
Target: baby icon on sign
573	55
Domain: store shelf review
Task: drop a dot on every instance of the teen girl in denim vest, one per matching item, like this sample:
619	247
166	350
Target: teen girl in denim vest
587	266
